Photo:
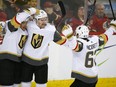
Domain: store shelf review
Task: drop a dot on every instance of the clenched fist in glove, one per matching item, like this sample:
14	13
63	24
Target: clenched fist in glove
67	31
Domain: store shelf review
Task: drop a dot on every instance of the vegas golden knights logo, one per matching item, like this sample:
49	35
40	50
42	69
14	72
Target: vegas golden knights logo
36	40
22	41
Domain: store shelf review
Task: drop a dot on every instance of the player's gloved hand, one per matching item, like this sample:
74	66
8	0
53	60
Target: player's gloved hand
23	16
2	25
113	23
32	11
67	31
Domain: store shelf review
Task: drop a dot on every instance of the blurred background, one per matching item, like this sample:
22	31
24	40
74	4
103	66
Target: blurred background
77	12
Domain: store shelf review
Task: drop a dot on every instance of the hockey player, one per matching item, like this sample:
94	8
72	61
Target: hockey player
11	48
35	55
84	68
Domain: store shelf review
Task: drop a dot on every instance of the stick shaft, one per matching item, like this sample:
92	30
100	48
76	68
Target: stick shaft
63	15
112	10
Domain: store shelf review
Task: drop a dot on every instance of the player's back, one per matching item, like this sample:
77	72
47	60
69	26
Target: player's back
84	60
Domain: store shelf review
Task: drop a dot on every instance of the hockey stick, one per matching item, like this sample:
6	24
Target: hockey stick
107	47
112	9
102	62
90	13
62	8
85	10
63	11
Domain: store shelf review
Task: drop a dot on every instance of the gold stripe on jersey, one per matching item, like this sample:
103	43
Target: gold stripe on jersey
113	25
76	48
39	59
10	53
14	22
84	74
104	36
69	36
62	40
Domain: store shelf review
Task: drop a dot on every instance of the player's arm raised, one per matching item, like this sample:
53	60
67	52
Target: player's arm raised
20	17
71	39
112	29
61	39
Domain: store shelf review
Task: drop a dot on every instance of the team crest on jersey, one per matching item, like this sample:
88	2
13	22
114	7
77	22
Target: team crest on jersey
36	40
22	41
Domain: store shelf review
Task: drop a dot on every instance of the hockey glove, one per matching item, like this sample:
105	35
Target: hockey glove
67	31
23	16
32	11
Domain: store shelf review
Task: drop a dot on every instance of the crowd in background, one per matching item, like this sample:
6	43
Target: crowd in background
75	11
18	26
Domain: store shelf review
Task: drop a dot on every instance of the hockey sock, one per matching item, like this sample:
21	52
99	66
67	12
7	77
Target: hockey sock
41	85
26	84
16	85
7	86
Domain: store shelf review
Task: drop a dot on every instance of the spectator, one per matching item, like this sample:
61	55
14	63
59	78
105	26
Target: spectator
52	15
3	15
99	21
67	17
78	18
56	8
32	3
20	5
14	6
10	10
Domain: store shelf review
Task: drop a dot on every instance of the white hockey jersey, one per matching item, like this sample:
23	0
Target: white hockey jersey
13	43
36	47
84	61
84	66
